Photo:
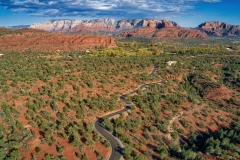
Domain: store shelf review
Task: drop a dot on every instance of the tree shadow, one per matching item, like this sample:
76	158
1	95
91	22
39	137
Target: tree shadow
120	150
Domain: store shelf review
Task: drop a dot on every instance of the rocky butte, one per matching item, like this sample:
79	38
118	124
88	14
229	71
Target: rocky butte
219	29
164	29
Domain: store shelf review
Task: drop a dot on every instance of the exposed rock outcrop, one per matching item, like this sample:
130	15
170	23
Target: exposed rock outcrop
167	31
122	28
42	41
219	29
101	25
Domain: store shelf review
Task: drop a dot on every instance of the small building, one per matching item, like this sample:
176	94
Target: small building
229	48
1	55
170	63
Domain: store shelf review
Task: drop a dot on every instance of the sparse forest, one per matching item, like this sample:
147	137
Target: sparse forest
49	101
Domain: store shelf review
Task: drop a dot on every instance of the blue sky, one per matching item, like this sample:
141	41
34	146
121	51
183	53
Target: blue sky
188	13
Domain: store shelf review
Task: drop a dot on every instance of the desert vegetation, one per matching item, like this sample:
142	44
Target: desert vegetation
49	101
187	116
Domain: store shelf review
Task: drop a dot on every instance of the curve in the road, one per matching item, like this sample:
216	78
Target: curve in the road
117	147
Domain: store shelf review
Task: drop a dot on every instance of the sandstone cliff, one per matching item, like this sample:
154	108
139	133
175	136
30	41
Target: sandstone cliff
100	25
219	29
164	30
36	40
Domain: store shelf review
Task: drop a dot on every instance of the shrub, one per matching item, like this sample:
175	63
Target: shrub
37	149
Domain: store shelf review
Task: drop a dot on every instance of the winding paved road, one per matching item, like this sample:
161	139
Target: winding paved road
117	147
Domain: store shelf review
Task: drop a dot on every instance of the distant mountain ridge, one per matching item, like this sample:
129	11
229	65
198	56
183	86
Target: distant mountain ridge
122	28
18	27
97	25
135	27
217	28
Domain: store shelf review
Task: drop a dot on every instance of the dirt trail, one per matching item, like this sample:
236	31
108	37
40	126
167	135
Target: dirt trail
170	129
33	144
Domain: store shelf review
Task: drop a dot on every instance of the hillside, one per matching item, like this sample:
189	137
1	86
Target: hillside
189	108
23	40
4	30
219	29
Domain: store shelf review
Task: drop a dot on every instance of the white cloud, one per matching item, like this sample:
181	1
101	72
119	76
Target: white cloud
212	1
101	8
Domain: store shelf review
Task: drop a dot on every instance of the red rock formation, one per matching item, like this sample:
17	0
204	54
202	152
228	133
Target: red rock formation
219	29
166	24
106	26
151	24
100	26
168	32
178	32
97	27
36	40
